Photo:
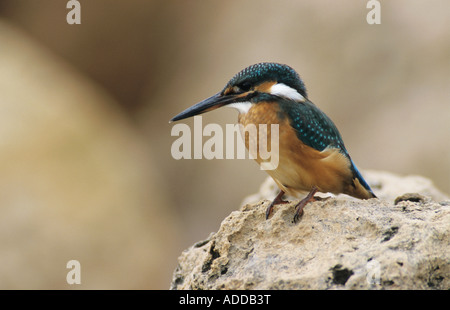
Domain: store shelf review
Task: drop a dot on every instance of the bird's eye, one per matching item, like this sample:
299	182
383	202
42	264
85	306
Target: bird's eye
245	86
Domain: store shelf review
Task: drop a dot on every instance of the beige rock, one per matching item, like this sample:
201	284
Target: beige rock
386	185
339	243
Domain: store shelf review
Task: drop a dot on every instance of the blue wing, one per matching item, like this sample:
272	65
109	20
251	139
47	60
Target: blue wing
313	127
317	130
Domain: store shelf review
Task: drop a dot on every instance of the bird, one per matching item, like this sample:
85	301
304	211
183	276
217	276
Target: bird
312	154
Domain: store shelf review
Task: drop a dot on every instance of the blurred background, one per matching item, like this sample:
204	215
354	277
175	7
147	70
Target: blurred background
86	171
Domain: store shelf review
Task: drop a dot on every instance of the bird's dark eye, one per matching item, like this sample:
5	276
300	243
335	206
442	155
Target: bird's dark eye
245	86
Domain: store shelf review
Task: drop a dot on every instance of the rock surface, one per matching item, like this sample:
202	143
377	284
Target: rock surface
339	243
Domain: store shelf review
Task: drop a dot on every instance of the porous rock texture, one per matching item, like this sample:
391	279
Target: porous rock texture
399	241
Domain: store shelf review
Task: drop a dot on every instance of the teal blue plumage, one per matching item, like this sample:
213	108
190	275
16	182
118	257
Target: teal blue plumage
315	129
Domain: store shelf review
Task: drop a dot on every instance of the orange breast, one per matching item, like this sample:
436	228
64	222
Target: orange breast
300	167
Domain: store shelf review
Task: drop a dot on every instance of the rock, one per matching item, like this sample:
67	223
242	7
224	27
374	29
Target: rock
339	243
386	185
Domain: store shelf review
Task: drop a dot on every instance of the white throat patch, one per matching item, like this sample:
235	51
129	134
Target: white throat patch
242	107
287	92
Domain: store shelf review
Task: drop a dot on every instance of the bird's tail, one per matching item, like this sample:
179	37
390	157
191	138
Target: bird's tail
359	188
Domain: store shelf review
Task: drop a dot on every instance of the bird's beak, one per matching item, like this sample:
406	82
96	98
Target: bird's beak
209	104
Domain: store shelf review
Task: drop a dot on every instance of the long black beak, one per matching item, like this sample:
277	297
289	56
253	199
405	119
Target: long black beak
209	104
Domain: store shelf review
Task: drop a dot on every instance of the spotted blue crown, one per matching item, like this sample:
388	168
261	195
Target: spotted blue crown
268	71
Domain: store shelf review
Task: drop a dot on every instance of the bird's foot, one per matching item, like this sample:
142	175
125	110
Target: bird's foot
299	207
277	200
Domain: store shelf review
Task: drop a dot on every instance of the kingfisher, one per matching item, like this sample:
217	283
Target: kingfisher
312	154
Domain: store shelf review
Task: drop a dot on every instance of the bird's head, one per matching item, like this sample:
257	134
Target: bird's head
256	83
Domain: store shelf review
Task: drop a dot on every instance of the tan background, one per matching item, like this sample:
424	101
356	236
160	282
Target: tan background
86	169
